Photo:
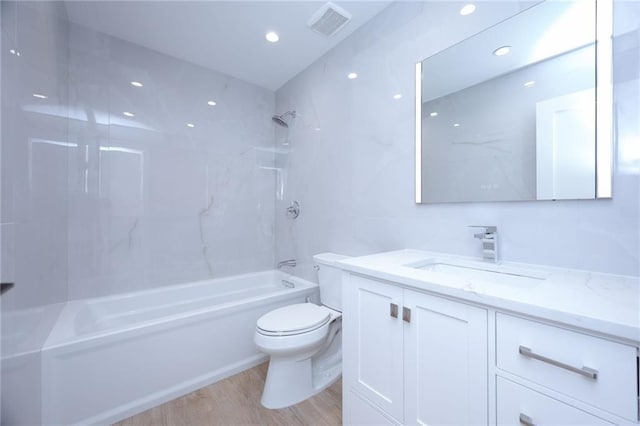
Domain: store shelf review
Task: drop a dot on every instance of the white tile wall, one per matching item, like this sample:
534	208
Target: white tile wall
154	202
33	217
354	176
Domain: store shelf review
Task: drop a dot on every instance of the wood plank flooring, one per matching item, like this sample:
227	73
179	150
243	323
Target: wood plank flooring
236	401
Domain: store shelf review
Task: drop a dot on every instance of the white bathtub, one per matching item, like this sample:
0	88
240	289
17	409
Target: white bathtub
112	357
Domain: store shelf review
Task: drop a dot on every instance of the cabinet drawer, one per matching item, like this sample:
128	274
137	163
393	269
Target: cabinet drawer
593	370
520	405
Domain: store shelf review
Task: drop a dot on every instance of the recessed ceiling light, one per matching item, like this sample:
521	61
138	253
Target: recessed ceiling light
136	84
352	76
397	96
129	114
468	9
211	103
39	96
272	37
501	51
456	124
529	83
191	125
433	114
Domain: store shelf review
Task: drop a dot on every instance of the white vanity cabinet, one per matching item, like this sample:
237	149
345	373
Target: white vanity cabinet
412	358
588	373
519	404
469	343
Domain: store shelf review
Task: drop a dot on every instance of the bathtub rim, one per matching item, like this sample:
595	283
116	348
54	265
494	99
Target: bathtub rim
60	341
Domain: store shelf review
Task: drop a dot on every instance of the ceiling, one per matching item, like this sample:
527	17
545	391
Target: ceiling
226	36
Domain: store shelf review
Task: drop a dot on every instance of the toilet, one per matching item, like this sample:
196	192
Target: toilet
304	341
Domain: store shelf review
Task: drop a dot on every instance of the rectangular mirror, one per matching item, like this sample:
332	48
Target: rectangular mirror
510	114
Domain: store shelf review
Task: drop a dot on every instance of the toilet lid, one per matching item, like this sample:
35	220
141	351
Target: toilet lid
294	319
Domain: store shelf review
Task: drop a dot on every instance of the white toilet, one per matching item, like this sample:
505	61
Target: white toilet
304	341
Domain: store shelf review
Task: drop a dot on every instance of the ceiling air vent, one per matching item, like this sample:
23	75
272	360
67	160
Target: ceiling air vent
329	19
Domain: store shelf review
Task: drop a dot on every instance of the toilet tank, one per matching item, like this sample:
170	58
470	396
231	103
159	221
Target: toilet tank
330	279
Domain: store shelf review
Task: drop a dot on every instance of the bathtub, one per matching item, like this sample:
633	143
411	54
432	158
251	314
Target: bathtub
111	357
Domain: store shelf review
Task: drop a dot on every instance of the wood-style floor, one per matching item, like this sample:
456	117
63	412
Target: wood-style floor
236	401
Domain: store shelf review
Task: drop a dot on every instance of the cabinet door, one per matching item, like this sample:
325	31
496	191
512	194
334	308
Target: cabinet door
372	343
446	375
358	412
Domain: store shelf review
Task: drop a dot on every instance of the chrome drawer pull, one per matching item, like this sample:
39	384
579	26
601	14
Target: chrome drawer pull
393	310
526	420
584	371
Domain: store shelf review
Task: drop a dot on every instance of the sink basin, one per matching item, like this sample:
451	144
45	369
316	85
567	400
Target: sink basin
496	274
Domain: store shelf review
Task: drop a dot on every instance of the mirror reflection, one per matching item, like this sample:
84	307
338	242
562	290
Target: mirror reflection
510	113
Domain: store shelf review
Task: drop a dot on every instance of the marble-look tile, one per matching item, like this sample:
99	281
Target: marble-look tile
34	153
354	176
34	149
155	201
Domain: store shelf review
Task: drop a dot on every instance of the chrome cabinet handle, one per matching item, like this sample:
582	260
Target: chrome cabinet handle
526	420
584	371
393	310
406	314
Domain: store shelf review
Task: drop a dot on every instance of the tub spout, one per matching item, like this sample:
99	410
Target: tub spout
290	262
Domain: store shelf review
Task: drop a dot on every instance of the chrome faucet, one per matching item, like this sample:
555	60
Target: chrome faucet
489	242
289	262
293	210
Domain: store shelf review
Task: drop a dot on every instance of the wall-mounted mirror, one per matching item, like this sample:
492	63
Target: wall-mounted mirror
510	114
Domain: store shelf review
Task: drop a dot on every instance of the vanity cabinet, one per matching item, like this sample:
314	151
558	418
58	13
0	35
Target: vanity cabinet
412	358
583	369
519	404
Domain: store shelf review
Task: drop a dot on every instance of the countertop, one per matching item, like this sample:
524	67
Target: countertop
602	303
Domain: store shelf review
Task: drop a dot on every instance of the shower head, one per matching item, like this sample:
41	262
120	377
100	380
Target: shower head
281	120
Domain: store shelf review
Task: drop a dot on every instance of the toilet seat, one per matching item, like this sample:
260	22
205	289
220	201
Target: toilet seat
294	319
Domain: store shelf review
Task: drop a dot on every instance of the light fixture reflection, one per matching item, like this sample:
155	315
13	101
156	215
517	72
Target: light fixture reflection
352	76
501	51
211	103
136	84
129	114
191	125
529	83
433	114
456	124
397	96
272	37
468	9
39	96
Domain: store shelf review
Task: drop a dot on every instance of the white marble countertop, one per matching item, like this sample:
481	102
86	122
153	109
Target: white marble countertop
603	303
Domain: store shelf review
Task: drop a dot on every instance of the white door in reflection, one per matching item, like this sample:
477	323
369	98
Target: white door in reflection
566	146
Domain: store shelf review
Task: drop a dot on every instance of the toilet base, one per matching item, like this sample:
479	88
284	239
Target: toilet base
290	381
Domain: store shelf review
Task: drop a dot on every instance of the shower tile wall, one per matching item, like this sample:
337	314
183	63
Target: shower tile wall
33	151
153	201
96	203
351	154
